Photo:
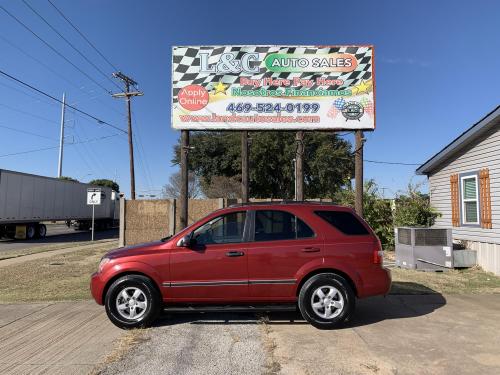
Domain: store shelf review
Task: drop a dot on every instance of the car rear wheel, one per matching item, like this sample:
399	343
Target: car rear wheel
326	300
132	301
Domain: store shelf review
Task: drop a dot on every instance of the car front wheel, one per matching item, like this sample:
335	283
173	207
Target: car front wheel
326	300
132	301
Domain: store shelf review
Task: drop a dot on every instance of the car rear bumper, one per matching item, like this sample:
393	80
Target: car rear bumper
377	283
97	287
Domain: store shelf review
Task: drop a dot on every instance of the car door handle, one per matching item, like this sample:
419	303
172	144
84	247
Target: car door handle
310	249
235	253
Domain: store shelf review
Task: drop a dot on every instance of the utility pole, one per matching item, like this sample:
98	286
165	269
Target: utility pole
184	179
244	166
127	95
61	139
299	166
358	172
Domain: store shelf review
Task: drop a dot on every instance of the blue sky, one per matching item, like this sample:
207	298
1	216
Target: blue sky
436	74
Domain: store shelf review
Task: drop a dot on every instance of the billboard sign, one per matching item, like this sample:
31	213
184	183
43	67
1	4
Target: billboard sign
273	87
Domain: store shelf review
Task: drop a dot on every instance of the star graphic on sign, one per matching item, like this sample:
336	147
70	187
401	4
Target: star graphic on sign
220	88
363	87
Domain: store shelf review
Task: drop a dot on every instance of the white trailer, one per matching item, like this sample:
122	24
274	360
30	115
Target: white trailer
27	200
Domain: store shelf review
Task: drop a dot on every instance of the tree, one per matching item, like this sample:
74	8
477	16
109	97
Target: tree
328	161
106	183
66	178
222	187
413	208
173	188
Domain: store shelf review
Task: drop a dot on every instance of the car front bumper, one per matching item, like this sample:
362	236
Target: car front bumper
97	287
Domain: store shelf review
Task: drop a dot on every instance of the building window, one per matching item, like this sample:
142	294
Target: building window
470	199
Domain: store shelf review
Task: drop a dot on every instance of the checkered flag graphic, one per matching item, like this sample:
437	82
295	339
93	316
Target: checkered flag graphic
186	66
367	106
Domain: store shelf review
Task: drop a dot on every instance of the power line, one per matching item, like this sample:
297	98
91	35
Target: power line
59	101
390	162
70	44
55	147
83	36
27	132
28	113
37	99
53	49
96	98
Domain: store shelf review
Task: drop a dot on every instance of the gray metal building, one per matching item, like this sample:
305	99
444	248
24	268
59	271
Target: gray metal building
464	185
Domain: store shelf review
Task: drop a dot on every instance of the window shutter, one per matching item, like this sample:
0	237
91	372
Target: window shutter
455	204
485	198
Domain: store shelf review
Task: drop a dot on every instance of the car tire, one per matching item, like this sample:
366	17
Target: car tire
132	301
326	300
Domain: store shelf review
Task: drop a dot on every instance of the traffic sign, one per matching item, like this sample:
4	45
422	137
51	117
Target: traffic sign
93	197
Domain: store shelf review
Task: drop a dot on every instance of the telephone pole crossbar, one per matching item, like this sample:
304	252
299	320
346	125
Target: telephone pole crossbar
127	94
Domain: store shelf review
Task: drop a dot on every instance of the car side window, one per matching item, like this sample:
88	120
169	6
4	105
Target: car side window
226	228
344	221
271	225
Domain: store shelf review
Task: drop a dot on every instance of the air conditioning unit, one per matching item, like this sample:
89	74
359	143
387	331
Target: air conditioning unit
424	248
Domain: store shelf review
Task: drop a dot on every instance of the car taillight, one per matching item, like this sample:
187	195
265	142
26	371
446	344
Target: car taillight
378	253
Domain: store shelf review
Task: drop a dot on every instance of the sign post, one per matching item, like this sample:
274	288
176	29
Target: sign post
93	199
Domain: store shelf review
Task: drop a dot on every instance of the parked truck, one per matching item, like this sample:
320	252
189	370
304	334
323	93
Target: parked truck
27	200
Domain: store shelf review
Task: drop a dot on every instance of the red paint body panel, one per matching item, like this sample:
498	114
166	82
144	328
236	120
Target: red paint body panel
268	272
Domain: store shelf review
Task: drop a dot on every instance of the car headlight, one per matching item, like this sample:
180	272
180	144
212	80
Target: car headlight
102	263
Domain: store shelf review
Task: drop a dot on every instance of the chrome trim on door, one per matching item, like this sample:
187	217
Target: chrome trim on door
228	282
286	281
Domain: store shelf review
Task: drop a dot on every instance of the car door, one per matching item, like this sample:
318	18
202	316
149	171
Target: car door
282	244
215	266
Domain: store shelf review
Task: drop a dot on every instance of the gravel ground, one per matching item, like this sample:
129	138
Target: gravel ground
199	344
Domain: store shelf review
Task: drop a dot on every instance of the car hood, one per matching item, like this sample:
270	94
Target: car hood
139	249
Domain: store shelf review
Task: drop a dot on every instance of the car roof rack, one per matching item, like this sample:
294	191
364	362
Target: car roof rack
267	203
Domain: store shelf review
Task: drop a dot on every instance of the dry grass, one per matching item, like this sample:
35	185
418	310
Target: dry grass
62	277
467	281
44	248
121	347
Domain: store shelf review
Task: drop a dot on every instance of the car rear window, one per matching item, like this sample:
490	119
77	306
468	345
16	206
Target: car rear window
344	221
279	225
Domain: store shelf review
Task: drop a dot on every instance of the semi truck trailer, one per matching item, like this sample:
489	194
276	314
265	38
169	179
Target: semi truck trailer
27	201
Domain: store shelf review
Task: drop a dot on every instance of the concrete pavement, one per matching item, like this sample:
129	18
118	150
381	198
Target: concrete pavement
200	344
54	338
420	334
423	334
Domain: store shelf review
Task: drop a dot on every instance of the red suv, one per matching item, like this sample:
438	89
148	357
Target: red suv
248	257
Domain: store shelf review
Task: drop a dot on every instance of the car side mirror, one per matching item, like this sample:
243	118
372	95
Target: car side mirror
185	241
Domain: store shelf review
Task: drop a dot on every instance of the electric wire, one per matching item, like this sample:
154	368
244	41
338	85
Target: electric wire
60	101
89	94
70	44
55	147
83	36
53	49
27	132
29	114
